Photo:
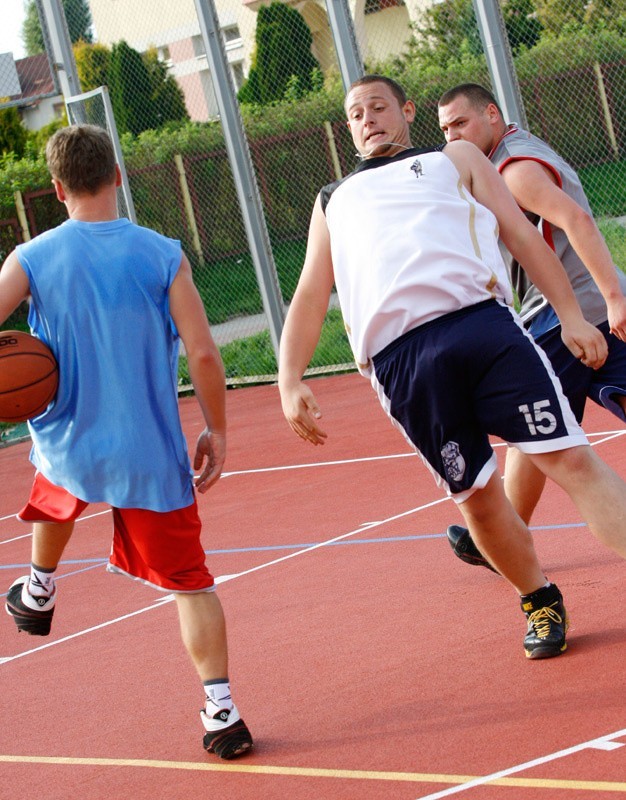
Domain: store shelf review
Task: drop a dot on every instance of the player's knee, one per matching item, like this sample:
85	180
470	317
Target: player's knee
574	463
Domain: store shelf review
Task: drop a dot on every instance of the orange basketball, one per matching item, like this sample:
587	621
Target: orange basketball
29	376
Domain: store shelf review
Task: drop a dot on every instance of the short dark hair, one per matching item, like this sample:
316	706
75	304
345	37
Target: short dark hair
395	87
478	96
82	158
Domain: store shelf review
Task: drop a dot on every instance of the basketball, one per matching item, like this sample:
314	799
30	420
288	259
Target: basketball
29	376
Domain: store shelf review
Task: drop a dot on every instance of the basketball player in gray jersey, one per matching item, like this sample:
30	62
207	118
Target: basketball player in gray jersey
550	193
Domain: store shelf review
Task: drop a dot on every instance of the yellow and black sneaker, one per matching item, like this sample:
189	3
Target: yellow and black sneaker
547	623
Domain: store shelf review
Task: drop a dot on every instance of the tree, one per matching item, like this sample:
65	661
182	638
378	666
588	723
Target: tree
562	15
448	30
13	135
522	26
79	22
131	90
167	96
143	93
445	32
283	62
93	63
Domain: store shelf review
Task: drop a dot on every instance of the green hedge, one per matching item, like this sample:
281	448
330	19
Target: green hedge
288	142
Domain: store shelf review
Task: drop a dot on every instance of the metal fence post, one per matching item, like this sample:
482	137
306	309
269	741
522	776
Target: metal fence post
346	45
243	170
500	60
56	35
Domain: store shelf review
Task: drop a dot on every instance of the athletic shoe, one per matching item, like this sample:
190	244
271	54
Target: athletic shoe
464	548
547	623
31	614
227	735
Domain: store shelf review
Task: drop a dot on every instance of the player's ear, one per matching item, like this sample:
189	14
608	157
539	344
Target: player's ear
60	191
118	176
492	112
409	111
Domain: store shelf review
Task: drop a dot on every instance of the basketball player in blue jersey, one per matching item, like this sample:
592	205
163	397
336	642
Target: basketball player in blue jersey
410	241
112	300
549	191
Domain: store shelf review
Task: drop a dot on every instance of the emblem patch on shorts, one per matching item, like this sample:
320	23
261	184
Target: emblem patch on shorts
453	461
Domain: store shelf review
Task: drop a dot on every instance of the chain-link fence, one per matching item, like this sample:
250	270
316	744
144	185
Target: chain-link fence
570	63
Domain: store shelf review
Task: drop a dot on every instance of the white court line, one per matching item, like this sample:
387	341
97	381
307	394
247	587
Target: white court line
310	549
607	437
157	603
316	464
245	472
26	535
602	743
223	579
607	434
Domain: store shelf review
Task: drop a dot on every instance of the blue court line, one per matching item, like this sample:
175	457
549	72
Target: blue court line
377	540
93	563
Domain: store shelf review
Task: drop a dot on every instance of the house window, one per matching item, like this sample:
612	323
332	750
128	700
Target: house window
197	43
373	6
238	74
231	35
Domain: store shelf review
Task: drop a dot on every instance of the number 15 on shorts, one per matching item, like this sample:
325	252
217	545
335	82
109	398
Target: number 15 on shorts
538	419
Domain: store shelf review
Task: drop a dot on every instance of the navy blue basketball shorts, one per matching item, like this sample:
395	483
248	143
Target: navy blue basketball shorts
579	382
451	383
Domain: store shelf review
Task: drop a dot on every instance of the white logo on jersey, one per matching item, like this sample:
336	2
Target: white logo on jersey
453	461
417	168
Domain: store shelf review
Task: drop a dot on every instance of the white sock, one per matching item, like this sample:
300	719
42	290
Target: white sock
41	582
218	695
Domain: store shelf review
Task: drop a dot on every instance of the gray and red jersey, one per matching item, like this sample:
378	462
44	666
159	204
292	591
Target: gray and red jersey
520	145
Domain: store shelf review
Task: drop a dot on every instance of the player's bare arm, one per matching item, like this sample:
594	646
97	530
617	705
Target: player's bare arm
302	329
13	286
536	190
206	371
527	245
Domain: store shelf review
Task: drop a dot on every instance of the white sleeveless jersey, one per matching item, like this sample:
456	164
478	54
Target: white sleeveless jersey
409	244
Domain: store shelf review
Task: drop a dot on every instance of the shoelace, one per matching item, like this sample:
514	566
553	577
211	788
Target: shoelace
541	619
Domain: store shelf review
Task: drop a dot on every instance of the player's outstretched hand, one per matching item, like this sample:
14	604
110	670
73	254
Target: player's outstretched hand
585	342
302	412
210	452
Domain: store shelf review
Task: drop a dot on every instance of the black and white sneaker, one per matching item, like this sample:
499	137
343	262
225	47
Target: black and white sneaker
464	548
31	614
227	735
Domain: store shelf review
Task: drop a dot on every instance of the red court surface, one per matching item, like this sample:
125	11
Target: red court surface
367	660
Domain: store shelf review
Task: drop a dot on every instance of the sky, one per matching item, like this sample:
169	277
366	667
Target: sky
11	19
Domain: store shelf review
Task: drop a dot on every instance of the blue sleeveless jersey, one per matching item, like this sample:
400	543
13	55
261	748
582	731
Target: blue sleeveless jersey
100	300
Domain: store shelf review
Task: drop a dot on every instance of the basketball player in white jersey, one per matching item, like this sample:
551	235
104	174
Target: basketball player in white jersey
410	241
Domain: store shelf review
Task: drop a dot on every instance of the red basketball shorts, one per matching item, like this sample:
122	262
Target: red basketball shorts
160	548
